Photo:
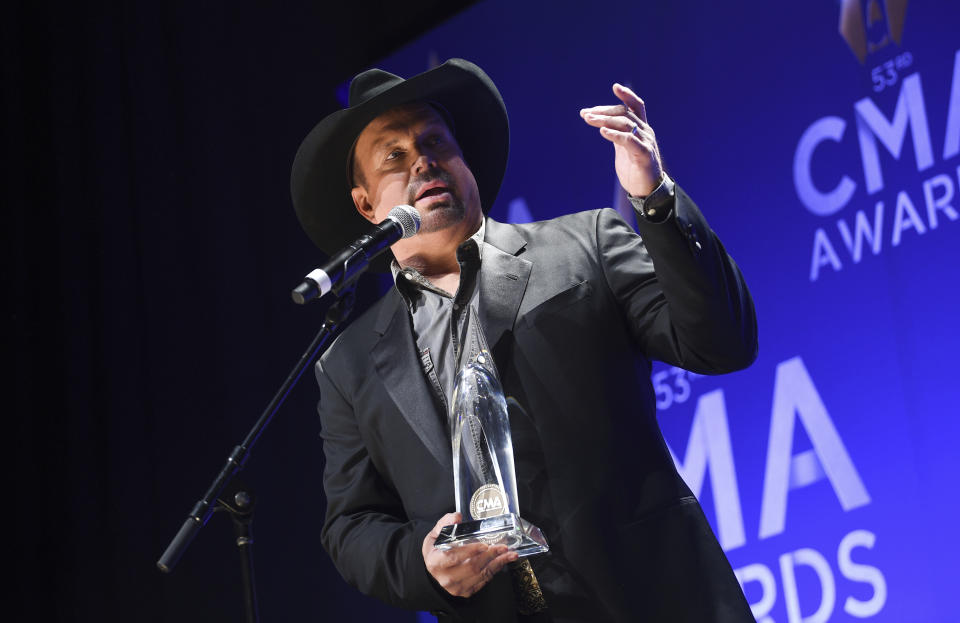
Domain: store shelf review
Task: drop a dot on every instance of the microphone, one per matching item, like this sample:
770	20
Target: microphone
402	222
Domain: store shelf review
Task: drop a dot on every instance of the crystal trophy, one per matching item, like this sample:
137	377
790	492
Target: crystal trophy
483	474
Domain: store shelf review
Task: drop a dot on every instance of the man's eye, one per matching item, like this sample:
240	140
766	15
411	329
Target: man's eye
393	155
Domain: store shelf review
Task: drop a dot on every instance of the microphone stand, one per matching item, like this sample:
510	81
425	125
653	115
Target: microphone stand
238	500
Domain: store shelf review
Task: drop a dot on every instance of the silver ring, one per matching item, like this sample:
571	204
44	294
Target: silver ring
636	126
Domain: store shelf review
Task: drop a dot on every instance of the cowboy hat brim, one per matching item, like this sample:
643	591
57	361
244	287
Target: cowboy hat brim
318	181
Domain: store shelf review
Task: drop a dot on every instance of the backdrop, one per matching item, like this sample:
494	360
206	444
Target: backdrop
146	158
821	140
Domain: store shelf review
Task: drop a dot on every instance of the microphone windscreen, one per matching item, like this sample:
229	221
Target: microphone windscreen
408	217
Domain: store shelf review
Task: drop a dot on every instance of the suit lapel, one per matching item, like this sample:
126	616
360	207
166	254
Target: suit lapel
395	360
503	280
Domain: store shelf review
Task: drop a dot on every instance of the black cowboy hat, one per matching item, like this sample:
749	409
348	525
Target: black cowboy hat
462	93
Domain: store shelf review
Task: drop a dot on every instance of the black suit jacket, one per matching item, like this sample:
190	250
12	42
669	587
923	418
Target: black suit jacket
574	309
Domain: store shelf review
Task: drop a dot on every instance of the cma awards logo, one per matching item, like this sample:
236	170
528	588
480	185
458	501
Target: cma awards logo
826	175
837	565
869	27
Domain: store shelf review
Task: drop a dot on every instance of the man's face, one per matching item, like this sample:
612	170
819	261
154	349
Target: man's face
408	155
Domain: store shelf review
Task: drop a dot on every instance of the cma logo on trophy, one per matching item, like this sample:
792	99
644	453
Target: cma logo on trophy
870	26
487	501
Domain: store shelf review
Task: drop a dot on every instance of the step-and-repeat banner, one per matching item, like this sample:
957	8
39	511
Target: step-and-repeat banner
822	141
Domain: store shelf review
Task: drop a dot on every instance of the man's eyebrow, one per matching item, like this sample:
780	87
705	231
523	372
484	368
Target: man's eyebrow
384	142
397	127
388	134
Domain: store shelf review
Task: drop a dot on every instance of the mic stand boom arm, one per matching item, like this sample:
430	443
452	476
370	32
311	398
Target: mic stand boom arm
202	510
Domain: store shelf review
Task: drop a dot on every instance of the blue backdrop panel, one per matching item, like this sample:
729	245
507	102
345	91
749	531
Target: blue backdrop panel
821	140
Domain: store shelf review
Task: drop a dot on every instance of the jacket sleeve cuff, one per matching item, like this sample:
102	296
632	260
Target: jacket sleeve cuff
432	597
658	205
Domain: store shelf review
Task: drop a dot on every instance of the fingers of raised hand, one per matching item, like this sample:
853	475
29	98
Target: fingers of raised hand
636	137
610	110
608	121
631	100
620	123
598	116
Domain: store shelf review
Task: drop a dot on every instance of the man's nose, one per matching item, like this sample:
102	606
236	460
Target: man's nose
426	160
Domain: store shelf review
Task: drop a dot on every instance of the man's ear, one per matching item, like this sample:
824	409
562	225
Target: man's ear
361	202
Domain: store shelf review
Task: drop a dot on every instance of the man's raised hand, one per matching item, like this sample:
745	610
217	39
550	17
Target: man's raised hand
637	157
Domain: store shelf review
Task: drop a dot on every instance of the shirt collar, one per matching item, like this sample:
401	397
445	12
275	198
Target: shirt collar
476	239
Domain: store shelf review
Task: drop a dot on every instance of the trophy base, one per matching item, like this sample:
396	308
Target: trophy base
511	530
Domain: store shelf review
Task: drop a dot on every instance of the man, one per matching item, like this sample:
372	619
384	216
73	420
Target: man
573	313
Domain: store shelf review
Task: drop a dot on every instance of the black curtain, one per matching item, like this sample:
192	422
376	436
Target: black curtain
146	156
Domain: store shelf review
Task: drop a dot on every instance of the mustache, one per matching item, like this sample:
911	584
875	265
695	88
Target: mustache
428	176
